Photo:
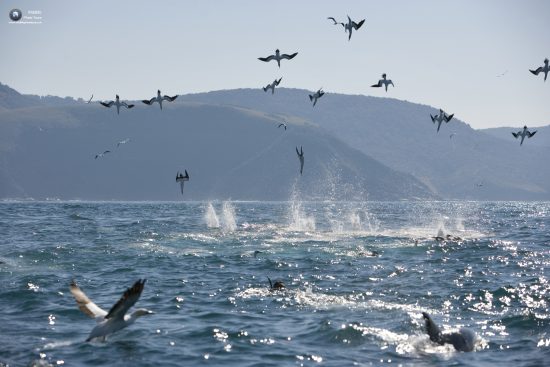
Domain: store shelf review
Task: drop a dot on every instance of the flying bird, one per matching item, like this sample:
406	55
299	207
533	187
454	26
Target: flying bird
272	85
499	75
122	142
278	57
116	103
383	82
543	69
440	118
282	124
301	158
351	25
314	97
117	317
524	133
334	20
159	98
102	154
181	179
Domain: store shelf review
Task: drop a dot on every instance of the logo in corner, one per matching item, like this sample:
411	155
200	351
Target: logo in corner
16	14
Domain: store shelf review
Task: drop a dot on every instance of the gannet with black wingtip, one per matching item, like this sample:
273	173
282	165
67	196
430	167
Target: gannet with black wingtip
102	154
116	318
463	340
278	57
301	158
545	69
440	118
159	98
116	103
334	20
314	97
282	124
181	179
524	133
351	25
272	85
383	82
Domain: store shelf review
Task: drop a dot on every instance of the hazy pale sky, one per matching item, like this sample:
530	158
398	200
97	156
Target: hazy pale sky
441	53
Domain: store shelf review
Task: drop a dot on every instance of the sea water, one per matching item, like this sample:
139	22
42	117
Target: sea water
358	276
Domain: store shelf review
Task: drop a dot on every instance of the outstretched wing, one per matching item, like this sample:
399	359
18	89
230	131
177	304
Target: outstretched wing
84	303
516	134
169	99
127	105
266	59
379	84
128	299
531	134
449	117
358	25
107	104
289	57
334	20
149	101
277	82
537	71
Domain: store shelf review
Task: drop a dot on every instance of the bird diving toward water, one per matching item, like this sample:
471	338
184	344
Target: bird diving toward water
301	158
159	98
102	154
116	103
272	85
282	124
278	57
440	118
314	97
117	317
383	82
543	69
181	179
349	26
524	133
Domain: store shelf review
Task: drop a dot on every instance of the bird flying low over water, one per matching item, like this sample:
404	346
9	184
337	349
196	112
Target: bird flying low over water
440	118
278	57
116	103
122	142
349	26
524	133
282	124
102	154
117	317
159	98
301	158
314	97
545	69
383	82
181	179
272	85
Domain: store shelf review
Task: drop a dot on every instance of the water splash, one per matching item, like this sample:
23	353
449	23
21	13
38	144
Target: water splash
299	221
211	217
229	223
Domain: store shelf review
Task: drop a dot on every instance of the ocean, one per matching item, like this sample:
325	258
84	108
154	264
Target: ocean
357	275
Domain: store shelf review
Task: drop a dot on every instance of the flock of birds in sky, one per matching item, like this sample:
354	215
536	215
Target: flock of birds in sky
118	317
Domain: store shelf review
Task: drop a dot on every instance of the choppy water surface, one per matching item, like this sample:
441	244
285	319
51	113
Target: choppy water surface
358	276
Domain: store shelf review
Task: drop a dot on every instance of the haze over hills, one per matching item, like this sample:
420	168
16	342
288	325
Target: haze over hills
47	150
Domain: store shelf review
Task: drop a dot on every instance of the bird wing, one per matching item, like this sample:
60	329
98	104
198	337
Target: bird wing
84	303
537	71
516	134
529	134
169	99
149	101
334	20
266	59
377	85
90	100
127	105
288	57
358	25
449	117
107	104
297	151
281	125
107	151
186	175
128	299
277	82
390	82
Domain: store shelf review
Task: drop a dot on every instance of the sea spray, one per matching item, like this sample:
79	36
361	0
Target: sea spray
210	216
229	223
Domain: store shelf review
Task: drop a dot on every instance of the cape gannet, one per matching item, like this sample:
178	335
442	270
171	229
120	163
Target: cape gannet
278	57
181	179
272	85
383	82
543	69
116	318
116	103
314	97
350	25
301	158
524	133
463	340
440	118
159	98
282	124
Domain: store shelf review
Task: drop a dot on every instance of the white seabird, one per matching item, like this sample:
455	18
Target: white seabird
524	133
314	97
159	98
545	69
272	85
383	82
181	179
116	318
278	57
102	154
117	103
440	118
301	158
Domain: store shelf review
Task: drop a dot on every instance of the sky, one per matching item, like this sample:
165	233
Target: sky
469	57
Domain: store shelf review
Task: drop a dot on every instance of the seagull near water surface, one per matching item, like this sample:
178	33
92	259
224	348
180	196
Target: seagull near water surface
278	57
117	317
116	103
159	98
